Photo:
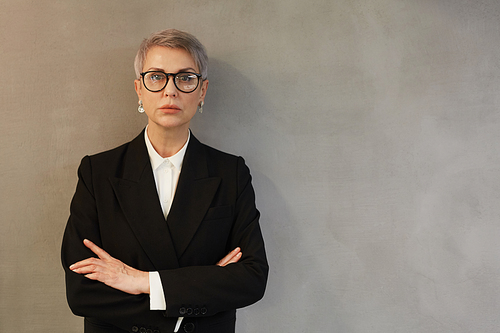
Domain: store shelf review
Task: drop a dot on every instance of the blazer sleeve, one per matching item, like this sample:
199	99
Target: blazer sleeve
94	299
215	289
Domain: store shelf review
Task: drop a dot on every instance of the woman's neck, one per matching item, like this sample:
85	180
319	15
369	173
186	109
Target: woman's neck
167	142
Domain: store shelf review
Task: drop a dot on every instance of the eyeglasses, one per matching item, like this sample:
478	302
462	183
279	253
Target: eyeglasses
184	81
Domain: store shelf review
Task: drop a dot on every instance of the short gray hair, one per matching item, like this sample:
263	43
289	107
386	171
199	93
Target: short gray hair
175	39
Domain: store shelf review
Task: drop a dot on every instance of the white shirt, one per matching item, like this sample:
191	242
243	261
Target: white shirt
166	172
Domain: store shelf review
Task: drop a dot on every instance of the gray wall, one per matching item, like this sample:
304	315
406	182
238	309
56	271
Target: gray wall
371	128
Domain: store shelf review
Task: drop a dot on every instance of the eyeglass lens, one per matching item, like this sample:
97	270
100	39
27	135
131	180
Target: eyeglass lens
185	82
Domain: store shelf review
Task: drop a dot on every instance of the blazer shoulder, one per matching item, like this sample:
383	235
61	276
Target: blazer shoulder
218	159
111	153
133	153
231	168
219	154
210	152
137	144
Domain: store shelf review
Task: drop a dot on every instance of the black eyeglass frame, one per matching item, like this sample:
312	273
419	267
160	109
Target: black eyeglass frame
199	76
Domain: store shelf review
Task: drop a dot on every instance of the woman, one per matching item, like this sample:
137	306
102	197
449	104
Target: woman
150	220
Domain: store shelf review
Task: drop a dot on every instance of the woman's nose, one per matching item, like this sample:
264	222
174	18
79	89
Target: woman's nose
170	88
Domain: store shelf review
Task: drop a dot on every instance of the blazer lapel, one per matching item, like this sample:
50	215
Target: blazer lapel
138	198
194	194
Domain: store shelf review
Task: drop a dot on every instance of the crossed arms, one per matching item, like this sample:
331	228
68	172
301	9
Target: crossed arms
114	273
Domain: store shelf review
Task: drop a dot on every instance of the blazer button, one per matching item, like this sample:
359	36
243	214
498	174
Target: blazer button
182	311
189	311
142	330
135	329
203	310
149	330
196	311
189	327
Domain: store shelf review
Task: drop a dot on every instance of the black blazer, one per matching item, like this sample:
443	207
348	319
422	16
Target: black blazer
116	206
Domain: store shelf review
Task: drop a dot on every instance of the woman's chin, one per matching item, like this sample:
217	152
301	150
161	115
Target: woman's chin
171	124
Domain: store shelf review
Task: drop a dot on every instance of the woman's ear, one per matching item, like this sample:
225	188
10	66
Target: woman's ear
204	87
137	84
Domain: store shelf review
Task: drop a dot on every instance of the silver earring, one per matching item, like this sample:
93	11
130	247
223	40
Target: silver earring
201	107
140	108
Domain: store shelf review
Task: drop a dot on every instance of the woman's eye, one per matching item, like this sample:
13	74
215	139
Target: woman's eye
156	77
185	77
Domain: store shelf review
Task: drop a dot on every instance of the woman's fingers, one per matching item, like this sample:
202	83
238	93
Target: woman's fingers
90	264
85	266
96	249
231	258
111	271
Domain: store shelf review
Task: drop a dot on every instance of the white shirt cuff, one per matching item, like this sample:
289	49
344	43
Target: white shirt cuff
156	295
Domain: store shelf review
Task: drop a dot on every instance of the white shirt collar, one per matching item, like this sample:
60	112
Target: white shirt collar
157	160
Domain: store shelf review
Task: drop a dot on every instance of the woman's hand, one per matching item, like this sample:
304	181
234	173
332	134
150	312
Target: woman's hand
112	272
230	258
118	275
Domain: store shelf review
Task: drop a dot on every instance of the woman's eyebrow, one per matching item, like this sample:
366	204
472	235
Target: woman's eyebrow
189	69
156	69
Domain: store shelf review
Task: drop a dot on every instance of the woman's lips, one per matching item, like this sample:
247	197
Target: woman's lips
170	108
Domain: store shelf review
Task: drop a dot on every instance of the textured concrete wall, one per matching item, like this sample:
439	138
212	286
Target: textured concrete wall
371	129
